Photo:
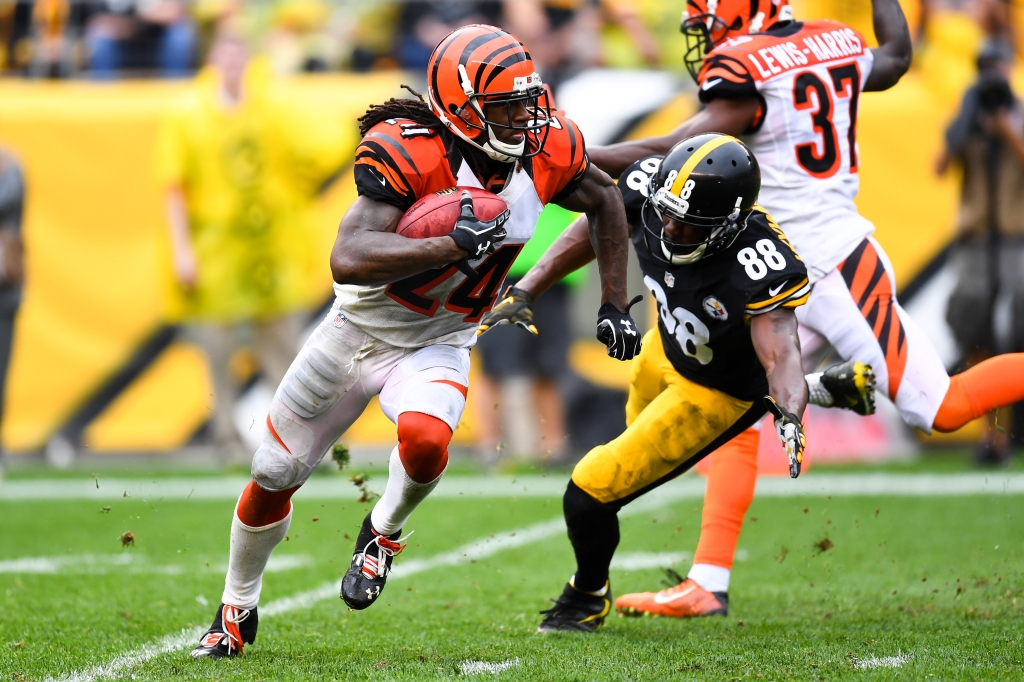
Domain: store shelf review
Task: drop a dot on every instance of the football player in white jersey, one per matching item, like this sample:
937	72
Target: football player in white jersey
790	90
407	310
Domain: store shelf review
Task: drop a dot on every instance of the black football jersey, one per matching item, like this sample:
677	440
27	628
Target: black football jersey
705	307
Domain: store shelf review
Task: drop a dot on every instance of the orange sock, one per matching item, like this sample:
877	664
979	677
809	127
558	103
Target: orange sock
730	490
258	507
994	383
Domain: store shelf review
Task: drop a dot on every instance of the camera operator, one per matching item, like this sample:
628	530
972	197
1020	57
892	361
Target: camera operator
987	140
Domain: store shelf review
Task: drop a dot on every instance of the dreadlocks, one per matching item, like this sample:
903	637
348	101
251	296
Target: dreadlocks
413	109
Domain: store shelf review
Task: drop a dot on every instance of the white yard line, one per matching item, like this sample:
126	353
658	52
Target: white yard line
642	561
473	551
127	562
870	662
481	667
331	487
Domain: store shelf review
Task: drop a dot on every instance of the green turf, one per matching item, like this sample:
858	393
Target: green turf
931	460
917	576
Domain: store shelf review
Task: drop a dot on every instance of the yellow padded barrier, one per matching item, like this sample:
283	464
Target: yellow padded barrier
161	409
95	233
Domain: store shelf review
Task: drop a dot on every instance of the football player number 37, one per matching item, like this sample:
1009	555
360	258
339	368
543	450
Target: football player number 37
845	83
755	267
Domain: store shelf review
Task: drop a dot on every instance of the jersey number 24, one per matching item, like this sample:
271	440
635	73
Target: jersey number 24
844	84
472	298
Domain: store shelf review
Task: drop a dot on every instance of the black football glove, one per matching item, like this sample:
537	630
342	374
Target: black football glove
618	330
516	307
791	434
476	237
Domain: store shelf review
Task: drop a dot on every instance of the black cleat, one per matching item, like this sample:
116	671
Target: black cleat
577	611
852	385
232	629
371	564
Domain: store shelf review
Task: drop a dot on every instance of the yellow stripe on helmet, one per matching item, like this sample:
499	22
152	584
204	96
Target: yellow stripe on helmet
699	155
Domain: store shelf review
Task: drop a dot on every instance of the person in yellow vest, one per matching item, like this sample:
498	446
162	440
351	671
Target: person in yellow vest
240	170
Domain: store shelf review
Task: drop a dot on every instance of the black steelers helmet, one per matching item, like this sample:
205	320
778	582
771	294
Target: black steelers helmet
709	180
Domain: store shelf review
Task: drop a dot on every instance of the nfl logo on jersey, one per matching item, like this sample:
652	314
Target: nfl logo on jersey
714	308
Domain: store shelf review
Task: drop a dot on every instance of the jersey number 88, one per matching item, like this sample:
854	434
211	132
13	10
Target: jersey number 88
755	267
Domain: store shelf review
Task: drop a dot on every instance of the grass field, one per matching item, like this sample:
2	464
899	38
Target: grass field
912	587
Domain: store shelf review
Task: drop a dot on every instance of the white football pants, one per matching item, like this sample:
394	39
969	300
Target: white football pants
329	384
854	308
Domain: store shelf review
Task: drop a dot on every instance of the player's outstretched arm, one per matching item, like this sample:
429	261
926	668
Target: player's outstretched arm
775	340
570	252
600	199
729	116
368	252
777	345
892	56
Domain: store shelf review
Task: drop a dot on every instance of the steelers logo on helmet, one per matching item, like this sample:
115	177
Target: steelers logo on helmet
482	84
706	24
699	199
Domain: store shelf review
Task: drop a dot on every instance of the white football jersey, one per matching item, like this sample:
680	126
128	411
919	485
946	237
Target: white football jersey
809	77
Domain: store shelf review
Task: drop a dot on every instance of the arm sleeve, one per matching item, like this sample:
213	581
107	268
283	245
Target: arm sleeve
725	76
381	172
559	169
785	283
398	161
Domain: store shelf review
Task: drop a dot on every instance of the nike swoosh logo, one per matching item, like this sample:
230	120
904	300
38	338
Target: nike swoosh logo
773	292
659	599
380	179
710	84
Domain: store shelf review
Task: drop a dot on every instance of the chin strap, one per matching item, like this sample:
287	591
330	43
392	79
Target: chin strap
494	148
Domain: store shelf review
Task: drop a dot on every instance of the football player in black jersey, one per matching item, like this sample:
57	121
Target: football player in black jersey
726	281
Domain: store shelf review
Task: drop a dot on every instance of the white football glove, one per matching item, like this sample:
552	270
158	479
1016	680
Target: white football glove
791	434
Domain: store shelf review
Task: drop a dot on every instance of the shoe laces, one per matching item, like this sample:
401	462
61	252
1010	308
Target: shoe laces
232	616
565	604
377	566
674	579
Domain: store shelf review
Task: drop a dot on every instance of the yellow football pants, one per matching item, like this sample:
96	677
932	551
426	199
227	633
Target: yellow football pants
671	424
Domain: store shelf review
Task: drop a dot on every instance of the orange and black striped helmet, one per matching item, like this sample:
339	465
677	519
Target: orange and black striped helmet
706	23
476	67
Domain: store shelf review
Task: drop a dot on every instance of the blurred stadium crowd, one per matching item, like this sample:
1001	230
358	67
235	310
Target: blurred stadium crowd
170	38
236	215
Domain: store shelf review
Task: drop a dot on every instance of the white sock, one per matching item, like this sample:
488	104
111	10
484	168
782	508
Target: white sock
250	551
818	394
600	593
401	496
711	578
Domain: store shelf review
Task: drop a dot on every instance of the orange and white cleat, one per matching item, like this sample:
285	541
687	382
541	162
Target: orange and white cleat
684	600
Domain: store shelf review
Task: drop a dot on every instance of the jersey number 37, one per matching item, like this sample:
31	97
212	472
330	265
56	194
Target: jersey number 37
845	83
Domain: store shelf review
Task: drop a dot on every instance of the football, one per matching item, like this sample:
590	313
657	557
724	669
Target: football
435	214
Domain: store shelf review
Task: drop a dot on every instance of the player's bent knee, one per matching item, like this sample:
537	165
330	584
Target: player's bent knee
275	469
423	445
282	460
583	510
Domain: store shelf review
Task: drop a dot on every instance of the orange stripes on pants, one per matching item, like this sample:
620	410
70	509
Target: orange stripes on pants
871	289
